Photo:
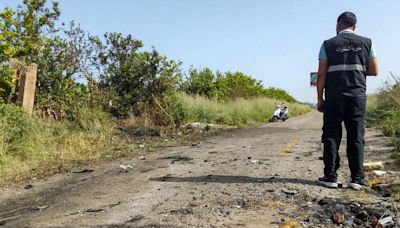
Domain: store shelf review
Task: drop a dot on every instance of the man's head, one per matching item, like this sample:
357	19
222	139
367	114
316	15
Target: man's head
346	20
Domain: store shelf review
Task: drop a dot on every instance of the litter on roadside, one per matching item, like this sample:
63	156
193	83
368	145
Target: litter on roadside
379	173
290	224
256	161
386	222
142	158
125	168
370	166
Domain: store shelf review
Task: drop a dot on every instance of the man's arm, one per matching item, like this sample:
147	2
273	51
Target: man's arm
372	67
322	69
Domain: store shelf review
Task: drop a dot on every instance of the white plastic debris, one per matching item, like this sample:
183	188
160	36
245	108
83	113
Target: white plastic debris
256	161
141	146
387	221
125	167
142	158
379	173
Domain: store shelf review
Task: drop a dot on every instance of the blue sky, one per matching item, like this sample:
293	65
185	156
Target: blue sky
273	41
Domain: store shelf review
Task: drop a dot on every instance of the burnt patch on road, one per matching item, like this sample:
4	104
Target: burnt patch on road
177	158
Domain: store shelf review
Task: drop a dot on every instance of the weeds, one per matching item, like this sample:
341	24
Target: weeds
30	146
237	112
383	112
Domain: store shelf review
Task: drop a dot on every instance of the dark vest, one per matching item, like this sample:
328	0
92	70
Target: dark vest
348	56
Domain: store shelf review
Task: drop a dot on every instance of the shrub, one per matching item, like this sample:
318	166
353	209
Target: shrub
19	134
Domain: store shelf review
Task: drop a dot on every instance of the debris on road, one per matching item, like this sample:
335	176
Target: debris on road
379	173
240	203
387	190
370	166
125	168
29	186
84	171
338	218
135	219
342	212
290	192
256	161
386	222
39	208
198	127
176	158
94	210
290	224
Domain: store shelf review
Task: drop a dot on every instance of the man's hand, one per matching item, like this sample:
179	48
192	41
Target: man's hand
320	105
322	69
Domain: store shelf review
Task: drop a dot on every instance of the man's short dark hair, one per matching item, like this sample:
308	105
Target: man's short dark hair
347	18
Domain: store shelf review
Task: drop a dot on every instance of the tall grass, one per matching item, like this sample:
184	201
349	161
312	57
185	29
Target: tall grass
30	146
237	112
383	111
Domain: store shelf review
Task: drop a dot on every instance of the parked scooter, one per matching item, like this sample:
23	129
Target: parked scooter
280	113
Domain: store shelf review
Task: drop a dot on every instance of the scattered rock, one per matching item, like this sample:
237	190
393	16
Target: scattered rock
370	166
29	186
338	217
290	224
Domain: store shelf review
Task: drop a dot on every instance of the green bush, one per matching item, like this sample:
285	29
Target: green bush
19	133
383	111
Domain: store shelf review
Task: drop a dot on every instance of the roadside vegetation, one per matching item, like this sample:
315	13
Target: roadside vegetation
238	112
91	88
383	112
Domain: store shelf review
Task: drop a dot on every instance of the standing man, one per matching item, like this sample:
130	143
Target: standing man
344	62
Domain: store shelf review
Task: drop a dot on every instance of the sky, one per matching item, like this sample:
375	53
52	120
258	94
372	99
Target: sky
276	42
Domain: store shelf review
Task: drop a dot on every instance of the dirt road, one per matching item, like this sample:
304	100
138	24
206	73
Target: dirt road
256	177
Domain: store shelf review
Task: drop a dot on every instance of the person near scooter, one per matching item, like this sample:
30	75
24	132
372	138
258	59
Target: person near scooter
344	62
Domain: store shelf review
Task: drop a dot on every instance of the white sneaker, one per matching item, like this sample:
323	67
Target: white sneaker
327	183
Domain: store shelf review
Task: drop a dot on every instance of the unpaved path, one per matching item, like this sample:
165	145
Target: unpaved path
254	177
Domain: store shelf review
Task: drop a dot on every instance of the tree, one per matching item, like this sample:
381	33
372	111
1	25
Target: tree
63	60
278	94
33	23
7	50
135	79
241	85
200	82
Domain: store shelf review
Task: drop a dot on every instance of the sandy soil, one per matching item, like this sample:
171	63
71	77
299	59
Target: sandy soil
255	177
